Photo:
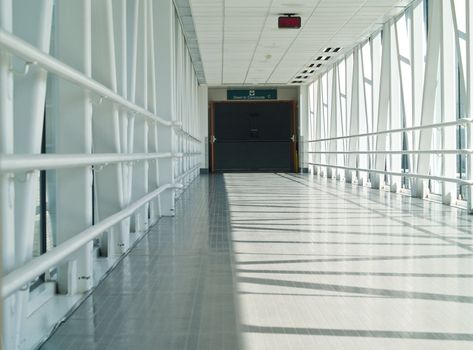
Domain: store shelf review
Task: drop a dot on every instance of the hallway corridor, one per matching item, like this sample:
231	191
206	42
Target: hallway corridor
279	261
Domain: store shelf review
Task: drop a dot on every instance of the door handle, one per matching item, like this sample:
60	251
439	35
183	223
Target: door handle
213	139
293	138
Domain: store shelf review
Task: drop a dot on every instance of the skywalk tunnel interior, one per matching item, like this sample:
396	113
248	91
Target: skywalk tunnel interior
236	174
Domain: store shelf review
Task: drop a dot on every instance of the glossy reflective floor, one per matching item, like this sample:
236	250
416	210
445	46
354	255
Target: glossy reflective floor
277	261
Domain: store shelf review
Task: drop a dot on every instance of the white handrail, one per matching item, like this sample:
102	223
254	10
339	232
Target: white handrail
189	136
179	129
21	276
30	53
188	172
392	131
437	151
419	176
19	162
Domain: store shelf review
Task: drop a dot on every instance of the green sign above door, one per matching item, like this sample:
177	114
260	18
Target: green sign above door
240	95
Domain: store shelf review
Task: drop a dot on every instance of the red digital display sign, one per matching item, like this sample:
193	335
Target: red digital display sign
289	22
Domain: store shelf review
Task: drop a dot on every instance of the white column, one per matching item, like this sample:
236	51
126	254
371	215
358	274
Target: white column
396	113
106	127
141	129
153	177
121	28
303	125
428	97
7	189
204	125
318	126
417	69
353	143
332	158
31	22
382	115
74	135
469	65
165	18
449	83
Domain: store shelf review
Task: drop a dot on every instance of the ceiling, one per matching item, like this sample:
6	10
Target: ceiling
240	44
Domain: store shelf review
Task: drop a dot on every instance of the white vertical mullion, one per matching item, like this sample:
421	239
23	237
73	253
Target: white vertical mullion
120	19
376	57
7	219
449	85
364	161
396	112
165	55
469	89
428	95
106	127
140	220
382	115
331	172
153	179
354	143
318	125
417	78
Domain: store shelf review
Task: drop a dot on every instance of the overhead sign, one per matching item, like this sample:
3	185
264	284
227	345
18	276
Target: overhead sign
259	94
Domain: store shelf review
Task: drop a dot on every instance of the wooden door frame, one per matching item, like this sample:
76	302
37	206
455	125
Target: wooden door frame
294	130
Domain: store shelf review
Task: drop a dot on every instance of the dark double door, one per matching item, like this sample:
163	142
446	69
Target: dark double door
253	136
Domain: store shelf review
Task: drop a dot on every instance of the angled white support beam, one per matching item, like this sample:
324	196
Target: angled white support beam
31	54
420	188
140	221
416	31
7	188
153	176
332	159
469	89
164	15
32	22
383	113
448	93
73	115
396	112
364	161
318	123
121	25
106	127
354	143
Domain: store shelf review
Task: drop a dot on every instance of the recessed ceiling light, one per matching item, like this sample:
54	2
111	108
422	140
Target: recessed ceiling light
327	58
320	58
311	65
336	49
328	49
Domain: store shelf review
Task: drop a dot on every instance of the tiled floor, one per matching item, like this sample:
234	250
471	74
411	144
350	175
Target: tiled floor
277	261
